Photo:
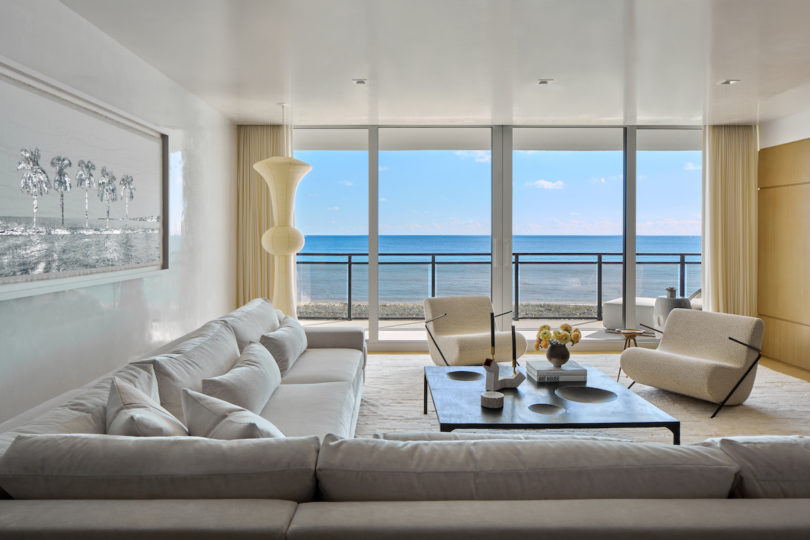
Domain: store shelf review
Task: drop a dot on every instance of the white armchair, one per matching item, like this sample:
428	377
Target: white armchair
710	356
462	337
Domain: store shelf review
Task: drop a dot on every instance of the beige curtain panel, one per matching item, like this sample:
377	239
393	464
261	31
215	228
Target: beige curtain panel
730	155
254	213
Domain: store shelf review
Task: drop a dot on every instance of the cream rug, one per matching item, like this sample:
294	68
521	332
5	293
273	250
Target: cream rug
778	405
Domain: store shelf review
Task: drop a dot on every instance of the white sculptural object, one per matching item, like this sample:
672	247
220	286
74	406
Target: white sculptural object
283	240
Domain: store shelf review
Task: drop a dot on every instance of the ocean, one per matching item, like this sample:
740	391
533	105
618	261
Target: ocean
564	272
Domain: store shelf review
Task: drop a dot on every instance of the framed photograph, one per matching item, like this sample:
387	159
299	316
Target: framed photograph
83	188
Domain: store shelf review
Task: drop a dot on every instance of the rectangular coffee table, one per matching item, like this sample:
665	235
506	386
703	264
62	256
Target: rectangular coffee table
599	403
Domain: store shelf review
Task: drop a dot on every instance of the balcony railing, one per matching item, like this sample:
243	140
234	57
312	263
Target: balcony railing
522	263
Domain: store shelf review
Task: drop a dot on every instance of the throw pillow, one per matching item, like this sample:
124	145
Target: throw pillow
771	467
131	412
286	344
252	320
213	418
249	383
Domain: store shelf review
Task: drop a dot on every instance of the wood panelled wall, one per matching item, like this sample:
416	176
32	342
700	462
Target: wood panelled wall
784	252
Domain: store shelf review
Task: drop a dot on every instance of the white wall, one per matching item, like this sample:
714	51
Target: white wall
51	343
784	130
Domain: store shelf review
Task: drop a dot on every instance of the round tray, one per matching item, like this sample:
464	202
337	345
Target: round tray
585	394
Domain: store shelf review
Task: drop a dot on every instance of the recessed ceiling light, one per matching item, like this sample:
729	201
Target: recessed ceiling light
360	82
729	82
544	81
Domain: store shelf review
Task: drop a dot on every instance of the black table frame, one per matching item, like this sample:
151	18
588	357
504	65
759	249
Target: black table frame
628	411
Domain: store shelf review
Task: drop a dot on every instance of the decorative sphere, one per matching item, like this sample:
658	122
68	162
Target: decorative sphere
282	240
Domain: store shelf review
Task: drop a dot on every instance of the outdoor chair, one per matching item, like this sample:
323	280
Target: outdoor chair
709	356
459	332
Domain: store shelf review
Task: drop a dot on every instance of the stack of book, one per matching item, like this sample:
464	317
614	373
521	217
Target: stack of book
542	371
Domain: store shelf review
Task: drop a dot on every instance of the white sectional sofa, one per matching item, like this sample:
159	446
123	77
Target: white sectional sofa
65	477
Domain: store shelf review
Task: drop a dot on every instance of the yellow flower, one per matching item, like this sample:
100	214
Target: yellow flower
566	327
564	338
536	345
576	336
544	344
544	334
556	334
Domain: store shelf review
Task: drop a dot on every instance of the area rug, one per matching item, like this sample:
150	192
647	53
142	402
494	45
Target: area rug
778	405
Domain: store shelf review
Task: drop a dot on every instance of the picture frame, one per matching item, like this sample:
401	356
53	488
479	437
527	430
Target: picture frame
83	189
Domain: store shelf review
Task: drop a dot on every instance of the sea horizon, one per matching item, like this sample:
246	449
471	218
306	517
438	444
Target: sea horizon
547	278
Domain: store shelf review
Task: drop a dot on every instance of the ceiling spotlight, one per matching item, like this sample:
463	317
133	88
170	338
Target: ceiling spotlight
360	82
544	81
729	82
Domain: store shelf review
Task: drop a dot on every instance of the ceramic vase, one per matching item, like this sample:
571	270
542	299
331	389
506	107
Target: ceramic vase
557	355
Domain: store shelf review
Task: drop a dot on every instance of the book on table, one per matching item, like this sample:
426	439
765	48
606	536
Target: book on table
543	372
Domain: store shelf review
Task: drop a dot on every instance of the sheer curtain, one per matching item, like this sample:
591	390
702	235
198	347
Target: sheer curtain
730	219
254	266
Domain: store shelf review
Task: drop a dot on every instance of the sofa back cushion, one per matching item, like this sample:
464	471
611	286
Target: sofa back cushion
211	352
249	383
378	470
286	344
770	466
114	467
250	321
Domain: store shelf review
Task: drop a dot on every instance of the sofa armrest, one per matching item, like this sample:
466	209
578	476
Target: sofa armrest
351	337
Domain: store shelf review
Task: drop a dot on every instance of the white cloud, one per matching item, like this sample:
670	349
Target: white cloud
383	199
689	166
480	156
383	168
333	208
345	183
599	180
545	184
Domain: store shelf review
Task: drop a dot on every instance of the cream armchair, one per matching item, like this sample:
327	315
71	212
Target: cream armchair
710	356
459	332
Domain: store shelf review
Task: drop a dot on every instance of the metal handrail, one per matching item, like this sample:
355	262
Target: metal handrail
599	261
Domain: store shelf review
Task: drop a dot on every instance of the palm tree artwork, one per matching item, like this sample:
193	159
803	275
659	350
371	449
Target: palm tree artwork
61	181
34	181
87	181
127	193
107	192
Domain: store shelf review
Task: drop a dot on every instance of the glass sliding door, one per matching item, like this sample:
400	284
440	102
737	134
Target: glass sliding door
668	216
567	224
331	209
434	219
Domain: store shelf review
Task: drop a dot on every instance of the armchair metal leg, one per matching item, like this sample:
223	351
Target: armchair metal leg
747	371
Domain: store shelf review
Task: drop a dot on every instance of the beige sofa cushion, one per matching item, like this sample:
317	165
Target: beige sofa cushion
313	409
375	470
131	412
286	343
634	519
249	383
252	320
179	519
327	365
113	467
771	466
210	417
210	352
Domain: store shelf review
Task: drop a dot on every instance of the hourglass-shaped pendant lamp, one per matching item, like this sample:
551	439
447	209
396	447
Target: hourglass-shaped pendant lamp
283	240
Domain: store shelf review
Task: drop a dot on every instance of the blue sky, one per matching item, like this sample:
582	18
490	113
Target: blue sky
448	192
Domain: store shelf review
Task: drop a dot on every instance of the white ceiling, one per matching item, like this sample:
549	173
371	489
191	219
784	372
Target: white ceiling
459	62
